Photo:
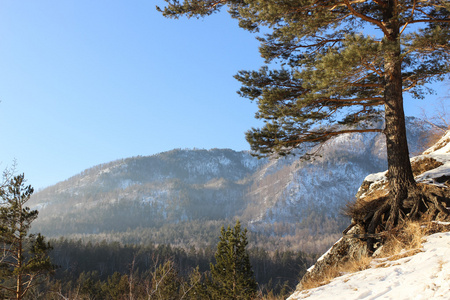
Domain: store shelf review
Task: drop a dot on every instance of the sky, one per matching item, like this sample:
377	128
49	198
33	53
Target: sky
88	82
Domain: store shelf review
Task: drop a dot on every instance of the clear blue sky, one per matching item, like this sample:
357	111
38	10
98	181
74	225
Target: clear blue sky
86	82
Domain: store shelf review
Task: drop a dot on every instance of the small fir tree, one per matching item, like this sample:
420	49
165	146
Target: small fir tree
24	257
232	275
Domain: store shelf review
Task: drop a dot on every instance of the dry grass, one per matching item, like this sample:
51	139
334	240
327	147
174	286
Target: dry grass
404	241
330	273
376	194
359	209
422	165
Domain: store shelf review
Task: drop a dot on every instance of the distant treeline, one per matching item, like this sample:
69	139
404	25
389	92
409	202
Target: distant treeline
315	234
90	269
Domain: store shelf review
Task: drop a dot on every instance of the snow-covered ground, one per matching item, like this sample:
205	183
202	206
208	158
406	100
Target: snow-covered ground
440	152
425	275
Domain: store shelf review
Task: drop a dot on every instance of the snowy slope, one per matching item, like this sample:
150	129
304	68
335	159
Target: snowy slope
425	275
441	153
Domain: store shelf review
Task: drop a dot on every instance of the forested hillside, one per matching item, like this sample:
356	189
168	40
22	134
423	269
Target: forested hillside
183	197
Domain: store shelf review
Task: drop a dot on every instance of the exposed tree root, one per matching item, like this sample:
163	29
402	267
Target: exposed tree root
423	202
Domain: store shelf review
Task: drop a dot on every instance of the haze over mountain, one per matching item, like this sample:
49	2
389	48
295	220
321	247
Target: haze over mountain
182	197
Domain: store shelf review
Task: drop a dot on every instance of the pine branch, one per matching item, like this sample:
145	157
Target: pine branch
374	101
7	288
366	18
320	136
31	282
380	3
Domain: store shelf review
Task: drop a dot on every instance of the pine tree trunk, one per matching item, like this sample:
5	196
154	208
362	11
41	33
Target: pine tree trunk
19	274
400	174
19	249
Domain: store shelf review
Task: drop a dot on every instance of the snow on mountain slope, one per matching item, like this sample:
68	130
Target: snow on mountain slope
289	189
440	152
425	275
217	184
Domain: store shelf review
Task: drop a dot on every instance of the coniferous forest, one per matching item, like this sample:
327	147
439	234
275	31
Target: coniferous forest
86	270
116	271
33	268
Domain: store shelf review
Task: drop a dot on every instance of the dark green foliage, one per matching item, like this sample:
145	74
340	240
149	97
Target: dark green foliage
24	257
112	270
116	286
232	275
288	266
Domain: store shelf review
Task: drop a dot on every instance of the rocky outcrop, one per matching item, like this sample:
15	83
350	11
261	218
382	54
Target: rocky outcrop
344	250
432	170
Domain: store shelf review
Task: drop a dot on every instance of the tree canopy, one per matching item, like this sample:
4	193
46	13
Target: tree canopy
24	257
343	63
232	275
335	58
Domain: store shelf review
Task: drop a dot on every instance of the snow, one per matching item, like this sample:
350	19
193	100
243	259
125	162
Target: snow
425	275
441	147
376	177
440	152
126	183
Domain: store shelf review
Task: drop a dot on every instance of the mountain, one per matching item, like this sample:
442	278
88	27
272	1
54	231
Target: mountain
183	197
134	194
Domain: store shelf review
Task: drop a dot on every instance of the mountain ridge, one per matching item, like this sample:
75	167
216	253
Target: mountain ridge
279	200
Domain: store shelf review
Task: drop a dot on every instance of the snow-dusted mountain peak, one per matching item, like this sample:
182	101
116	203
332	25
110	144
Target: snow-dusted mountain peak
286	199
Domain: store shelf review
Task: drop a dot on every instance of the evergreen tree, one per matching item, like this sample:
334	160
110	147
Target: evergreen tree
23	256
117	286
345	62
232	275
165	282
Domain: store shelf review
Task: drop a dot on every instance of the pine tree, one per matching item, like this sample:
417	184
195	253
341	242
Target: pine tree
23	257
344	62
165	282
232	275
